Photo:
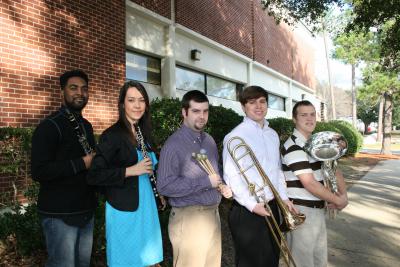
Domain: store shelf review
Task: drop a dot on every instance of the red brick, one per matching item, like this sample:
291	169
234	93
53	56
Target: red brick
41	39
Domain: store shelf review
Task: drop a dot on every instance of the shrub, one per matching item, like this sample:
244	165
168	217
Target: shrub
15	146
220	122
283	126
21	230
326	126
167	118
353	137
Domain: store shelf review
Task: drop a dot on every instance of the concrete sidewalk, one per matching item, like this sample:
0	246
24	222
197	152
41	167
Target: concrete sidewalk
367	232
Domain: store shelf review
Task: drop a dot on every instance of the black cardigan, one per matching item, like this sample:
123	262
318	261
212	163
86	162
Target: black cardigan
114	154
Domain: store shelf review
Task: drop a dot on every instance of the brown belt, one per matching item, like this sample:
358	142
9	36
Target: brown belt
317	204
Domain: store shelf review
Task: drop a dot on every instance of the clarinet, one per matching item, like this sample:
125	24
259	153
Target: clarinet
78	131
153	180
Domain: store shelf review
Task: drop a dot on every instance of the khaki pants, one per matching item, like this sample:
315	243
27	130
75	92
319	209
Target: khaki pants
195	234
308	243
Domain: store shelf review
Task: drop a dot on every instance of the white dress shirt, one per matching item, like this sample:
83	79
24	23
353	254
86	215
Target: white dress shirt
265	144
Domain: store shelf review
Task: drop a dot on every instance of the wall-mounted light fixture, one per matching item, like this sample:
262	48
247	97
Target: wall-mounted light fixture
195	54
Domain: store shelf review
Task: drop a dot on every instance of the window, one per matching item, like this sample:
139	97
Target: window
276	102
192	80
189	80
143	68
221	88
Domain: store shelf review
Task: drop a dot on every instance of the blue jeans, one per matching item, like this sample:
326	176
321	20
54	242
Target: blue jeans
67	246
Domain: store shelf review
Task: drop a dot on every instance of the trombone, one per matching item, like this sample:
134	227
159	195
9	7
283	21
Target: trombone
291	221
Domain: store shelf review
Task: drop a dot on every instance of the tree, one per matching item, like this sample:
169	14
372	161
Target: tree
367	113
396	112
384	16
377	82
291	11
352	48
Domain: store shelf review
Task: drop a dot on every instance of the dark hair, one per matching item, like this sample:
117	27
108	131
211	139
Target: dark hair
72	73
196	96
252	92
299	104
144	122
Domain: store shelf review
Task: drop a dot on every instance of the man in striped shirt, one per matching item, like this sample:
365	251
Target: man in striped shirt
308	243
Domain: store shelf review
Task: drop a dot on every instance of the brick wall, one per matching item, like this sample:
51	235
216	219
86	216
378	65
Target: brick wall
40	39
273	44
161	7
226	22
243	26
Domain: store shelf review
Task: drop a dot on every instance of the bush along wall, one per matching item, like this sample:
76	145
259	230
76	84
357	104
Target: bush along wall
353	137
15	146
284	127
19	225
166	118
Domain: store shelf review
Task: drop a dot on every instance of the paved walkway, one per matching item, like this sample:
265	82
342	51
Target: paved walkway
367	232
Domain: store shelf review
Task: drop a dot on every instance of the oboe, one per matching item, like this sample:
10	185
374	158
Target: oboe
152	177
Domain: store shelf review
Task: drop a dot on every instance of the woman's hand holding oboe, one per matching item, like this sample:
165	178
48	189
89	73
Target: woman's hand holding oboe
142	167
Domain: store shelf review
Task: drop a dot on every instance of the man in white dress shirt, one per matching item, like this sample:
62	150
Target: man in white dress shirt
254	243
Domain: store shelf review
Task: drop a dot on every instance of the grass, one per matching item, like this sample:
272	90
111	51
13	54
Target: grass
379	146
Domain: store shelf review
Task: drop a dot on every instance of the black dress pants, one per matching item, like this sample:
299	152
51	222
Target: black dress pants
254	244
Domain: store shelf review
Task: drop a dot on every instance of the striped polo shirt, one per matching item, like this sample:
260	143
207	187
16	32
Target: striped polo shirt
296	161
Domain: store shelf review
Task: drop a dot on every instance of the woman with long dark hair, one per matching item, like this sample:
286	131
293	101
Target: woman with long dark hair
122	168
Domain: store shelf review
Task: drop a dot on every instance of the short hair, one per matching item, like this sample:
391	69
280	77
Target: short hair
252	92
72	73
299	104
196	96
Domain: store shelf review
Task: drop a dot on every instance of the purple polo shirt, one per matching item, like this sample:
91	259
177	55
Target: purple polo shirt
179	176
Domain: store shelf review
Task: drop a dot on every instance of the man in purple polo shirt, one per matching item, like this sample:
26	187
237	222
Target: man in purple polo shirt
194	225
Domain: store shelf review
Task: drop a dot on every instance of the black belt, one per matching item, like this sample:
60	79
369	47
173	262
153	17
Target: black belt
298	184
317	204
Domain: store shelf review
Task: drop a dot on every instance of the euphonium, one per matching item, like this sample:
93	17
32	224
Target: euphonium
291	221
327	147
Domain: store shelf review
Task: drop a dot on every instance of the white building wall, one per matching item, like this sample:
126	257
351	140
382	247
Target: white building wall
152	34
213	60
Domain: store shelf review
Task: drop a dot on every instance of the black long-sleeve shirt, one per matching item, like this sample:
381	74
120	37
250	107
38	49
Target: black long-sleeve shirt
57	164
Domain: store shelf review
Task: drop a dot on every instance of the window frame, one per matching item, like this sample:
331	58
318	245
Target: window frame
238	86
158	83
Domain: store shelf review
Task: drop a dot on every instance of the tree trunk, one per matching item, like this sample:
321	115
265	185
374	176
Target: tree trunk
380	119
387	124
354	95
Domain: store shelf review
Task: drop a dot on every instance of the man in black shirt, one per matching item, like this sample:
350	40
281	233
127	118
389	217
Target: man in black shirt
61	154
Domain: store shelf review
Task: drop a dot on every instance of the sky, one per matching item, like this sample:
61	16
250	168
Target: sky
341	73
